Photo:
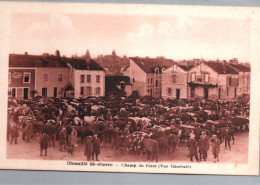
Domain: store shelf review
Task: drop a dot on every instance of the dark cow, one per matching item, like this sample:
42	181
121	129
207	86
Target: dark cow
151	148
83	132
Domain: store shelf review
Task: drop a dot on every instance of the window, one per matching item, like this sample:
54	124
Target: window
157	71
227	91
26	77
148	91
59	77
82	78
82	91
45	77
206	78
156	83
122	85
148	81
98	78
169	91
151	80
193	77
88	78
230	80
151	92
133	80
98	91
13	92
89	89
9	78
174	78
199	79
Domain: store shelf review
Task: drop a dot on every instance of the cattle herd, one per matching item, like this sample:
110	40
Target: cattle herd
132	126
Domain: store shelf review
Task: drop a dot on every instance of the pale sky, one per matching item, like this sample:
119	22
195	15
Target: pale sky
176	37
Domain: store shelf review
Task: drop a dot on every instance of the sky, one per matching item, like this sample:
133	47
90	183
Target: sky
175	37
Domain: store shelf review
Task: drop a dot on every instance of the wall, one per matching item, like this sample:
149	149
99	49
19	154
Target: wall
17	81
52	80
140	78
93	84
181	82
214	78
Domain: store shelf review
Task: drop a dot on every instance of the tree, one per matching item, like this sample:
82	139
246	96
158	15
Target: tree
88	54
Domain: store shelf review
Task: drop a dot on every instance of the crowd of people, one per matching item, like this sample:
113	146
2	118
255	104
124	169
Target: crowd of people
131	125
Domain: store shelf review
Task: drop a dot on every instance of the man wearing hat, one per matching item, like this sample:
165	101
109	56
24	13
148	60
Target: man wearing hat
62	136
227	138
96	147
88	147
202	144
192	145
215	147
44	143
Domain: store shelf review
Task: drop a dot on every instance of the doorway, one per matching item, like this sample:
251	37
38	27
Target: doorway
192	92
55	92
219	93
44	92
178	93
206	93
25	93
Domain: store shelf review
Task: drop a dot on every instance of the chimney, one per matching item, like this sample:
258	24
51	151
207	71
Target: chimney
234	61
224	66
45	55
25	53
57	53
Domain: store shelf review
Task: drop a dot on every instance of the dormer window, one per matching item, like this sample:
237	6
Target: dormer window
122	85
157	71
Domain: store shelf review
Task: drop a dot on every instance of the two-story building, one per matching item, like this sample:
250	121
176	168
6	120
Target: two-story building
212	80
87	77
174	82
21	75
146	75
54	76
31	75
244	78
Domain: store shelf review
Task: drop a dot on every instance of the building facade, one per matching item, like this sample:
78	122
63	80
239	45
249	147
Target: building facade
21	82
146	75
54	76
174	83
212	80
86	77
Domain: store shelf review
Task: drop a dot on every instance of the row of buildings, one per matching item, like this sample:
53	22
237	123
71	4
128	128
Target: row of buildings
55	76
208	79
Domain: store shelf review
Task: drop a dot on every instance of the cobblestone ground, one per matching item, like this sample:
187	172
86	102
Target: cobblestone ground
22	150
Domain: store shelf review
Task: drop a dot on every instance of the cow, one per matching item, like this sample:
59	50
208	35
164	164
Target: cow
151	148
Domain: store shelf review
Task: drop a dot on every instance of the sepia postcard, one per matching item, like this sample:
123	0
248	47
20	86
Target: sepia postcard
129	88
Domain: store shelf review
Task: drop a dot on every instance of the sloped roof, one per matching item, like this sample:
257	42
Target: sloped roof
149	65
82	64
220	68
240	67
22	60
116	80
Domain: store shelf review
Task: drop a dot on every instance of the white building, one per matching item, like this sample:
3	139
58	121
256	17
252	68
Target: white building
87	78
174	82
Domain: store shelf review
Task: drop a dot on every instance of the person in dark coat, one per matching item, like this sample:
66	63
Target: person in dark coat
215	147
192	145
227	137
14	134
203	145
50	130
62	136
96	147
88	147
44	143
